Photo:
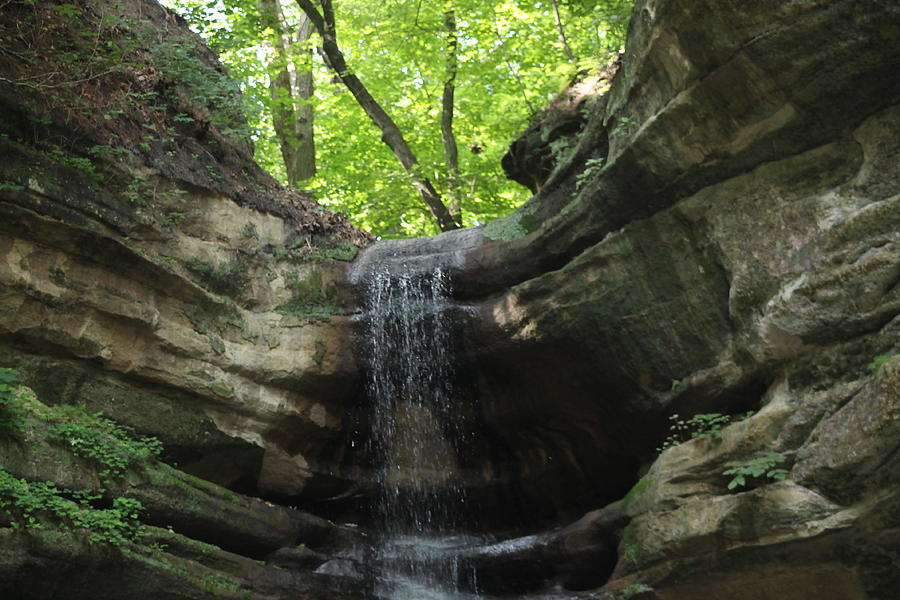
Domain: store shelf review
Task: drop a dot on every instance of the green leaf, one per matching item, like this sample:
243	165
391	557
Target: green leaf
8	375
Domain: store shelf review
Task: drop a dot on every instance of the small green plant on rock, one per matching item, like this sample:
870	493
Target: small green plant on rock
85	165
174	218
249	231
99	439
344	251
311	296
761	465
227	278
704	425
561	148
633	590
623	126
12	411
631	547
592	168
881	359
37	504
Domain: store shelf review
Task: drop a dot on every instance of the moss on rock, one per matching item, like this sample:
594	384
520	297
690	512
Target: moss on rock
513	226
311	296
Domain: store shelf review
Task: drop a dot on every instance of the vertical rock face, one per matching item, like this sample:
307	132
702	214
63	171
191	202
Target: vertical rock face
723	237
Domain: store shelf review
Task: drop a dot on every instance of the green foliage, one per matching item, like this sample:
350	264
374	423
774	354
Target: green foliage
135	189
67	10
344	251
561	148
87	435
881	359
623	127
85	165
34	505
202	84
631	545
511	63
592	168
107	152
174	218
706	425
101	440
633	590
761	465
321	351
12	410
217	318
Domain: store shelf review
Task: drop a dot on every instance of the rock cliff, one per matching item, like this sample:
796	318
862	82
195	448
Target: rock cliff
720	237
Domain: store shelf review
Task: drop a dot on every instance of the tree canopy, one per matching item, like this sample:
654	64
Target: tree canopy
510	58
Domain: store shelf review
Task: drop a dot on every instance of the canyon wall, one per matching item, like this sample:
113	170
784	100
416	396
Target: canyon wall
720	236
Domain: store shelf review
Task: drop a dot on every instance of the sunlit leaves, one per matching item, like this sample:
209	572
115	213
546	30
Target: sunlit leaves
511	63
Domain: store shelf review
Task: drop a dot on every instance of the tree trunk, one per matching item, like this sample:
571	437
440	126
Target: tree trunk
292	90
390	133
561	31
451	151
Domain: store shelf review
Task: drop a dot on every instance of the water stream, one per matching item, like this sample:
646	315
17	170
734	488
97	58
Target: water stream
416	436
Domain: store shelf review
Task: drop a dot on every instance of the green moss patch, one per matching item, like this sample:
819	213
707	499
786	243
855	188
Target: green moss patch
311	296
228	278
216	317
514	226
639	488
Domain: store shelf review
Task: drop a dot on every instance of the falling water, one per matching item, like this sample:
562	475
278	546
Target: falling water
416	437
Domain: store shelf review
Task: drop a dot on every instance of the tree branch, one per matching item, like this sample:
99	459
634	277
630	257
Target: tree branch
447	105
561	31
390	133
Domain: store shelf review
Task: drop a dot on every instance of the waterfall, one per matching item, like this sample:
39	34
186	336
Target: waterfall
416	436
